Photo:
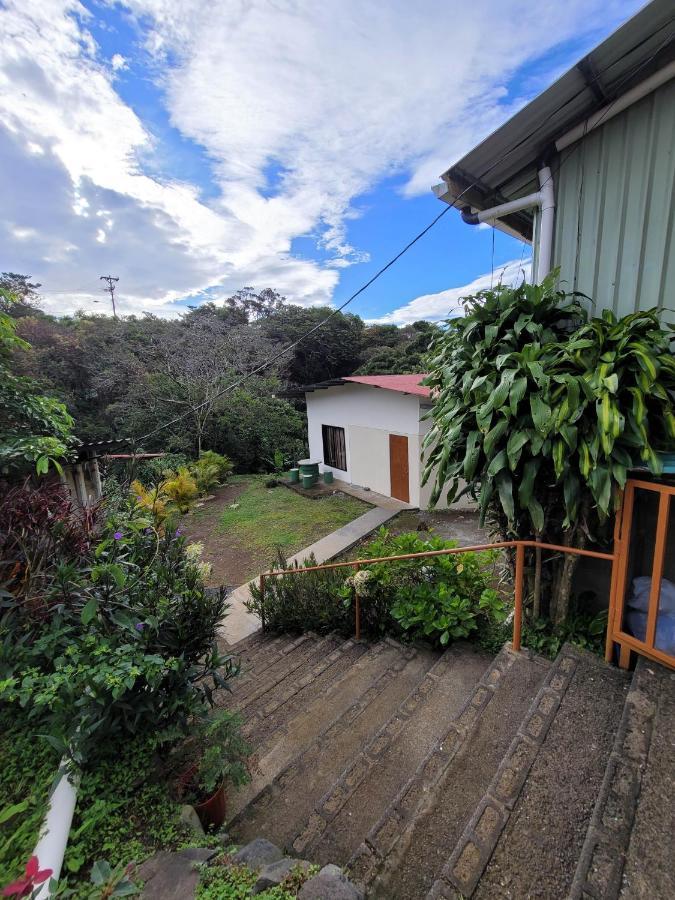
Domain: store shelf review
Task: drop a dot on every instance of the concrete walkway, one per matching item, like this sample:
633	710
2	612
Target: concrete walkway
240	622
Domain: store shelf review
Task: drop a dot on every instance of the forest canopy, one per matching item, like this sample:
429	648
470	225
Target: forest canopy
127	377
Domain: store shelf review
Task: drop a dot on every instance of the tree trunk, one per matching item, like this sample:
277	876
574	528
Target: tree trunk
560	600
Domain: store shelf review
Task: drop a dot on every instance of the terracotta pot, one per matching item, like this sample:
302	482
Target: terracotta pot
212	812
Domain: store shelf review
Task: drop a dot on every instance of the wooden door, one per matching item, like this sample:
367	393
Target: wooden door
398	467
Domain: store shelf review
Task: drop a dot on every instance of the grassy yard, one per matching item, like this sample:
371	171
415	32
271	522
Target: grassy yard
244	526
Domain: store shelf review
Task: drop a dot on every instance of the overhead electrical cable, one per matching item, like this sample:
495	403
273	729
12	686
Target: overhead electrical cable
235	384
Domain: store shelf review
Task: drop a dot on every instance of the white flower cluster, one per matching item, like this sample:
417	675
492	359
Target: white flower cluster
360	582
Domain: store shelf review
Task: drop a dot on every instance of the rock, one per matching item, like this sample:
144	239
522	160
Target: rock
173	876
257	854
333	871
329	887
273	874
188	814
198	855
224	838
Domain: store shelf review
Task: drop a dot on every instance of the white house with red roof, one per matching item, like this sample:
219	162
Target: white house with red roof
368	431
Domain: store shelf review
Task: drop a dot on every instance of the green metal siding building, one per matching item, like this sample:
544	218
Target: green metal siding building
604	134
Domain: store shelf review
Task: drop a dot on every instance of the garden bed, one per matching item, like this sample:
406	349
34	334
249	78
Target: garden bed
244	525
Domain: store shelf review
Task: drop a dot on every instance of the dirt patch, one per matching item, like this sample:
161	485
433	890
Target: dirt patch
229	559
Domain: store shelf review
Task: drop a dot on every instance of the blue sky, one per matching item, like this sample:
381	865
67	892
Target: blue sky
192	148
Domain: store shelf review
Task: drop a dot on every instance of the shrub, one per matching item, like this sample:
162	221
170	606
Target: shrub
221	464
181	489
41	533
437	599
310	602
129	646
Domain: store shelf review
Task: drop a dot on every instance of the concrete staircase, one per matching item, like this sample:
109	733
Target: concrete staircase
433	775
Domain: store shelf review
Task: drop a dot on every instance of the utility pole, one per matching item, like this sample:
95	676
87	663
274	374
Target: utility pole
111	279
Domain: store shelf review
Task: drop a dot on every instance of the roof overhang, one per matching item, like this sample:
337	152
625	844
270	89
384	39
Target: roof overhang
504	166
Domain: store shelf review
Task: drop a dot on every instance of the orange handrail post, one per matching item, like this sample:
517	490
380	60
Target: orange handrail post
357	609
262	600
518	597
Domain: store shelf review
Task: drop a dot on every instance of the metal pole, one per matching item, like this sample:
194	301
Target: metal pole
518	599
262	601
357	610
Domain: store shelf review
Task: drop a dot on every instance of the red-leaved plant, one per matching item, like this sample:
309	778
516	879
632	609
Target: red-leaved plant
29	881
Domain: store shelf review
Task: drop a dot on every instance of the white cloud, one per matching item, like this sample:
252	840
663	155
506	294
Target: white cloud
328	97
445	304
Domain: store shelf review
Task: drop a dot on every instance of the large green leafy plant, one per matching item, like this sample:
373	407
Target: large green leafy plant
540	412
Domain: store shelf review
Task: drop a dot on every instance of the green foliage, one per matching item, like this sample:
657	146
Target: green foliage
210	470
224	881
109	882
26	774
438	599
126	644
215	754
35	430
535	405
311	602
251	429
582	629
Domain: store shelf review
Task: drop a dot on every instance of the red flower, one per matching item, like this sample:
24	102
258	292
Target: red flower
32	877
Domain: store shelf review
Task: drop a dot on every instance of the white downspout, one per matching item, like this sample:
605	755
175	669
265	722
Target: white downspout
51	846
547	215
544	199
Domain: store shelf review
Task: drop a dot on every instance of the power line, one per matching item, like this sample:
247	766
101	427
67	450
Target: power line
405	249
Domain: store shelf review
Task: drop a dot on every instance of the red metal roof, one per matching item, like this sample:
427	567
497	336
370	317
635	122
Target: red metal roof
403	384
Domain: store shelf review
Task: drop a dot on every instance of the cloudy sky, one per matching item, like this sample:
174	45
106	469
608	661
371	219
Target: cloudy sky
192	147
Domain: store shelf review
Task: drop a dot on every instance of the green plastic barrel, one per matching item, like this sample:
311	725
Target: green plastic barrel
308	481
327	477
294	476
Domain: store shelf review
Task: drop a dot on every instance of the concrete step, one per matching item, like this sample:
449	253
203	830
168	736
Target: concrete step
526	834
282	808
630	844
407	849
345	814
264	654
365	678
290	660
294	694
289	677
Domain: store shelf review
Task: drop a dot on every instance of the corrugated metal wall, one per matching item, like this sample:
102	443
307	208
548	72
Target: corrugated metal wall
614	235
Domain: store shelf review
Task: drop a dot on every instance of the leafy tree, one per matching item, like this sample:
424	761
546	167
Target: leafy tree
542	413
332	351
34	429
18	295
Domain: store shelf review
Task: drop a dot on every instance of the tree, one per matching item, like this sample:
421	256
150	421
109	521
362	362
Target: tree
543	412
23	294
35	430
330	352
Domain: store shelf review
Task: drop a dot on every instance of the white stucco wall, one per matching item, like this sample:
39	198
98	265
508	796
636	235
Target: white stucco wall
368	415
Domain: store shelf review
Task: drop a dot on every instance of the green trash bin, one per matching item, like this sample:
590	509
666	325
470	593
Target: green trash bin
327	477
294	476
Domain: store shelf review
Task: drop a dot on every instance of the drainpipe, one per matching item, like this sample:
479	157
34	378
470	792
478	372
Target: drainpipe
544	200
51	846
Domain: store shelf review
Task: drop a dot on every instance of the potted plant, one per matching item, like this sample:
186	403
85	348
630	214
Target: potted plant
209	762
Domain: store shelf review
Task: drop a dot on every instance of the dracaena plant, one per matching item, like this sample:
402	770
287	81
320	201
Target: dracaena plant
540	412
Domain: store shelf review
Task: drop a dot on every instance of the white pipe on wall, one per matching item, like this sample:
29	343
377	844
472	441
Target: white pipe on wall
51	846
613	109
547	215
544	200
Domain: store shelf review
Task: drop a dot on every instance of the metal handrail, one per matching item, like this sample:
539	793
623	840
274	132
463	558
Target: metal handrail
450	551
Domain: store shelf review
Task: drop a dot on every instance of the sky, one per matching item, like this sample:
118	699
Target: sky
193	147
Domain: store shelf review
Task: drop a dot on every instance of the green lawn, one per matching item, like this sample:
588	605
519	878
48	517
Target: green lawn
270	518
